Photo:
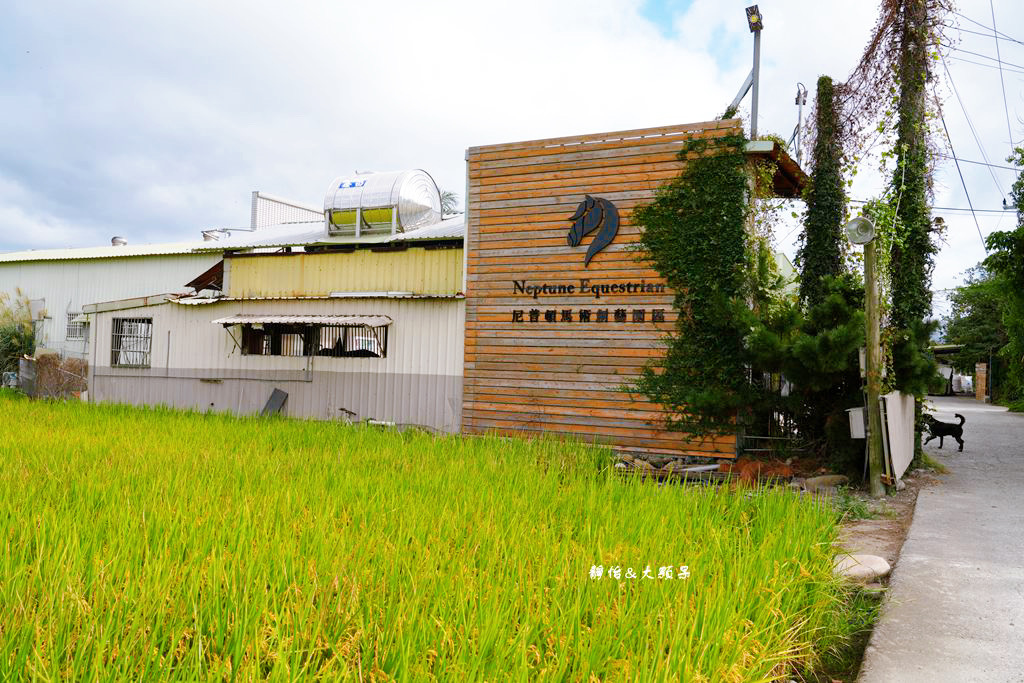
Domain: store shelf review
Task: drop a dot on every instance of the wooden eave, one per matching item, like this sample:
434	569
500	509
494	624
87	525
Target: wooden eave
790	179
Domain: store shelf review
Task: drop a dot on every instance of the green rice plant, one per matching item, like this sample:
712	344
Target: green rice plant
150	544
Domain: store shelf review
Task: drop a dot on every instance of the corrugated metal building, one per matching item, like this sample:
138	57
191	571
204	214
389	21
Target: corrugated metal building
62	281
276	327
366	324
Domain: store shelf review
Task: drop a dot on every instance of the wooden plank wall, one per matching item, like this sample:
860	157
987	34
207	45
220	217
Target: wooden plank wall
566	376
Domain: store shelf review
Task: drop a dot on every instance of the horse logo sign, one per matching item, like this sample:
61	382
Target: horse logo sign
591	214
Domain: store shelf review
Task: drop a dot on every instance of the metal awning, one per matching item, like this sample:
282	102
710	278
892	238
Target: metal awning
210	279
250	319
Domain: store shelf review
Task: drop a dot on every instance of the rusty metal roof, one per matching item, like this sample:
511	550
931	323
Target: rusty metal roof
249	319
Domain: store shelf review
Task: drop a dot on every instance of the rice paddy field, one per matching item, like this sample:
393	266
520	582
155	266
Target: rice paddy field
149	544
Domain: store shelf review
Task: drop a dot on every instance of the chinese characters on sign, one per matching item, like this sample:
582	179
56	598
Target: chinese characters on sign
666	573
586	315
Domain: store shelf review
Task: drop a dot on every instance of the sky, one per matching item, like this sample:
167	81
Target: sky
154	121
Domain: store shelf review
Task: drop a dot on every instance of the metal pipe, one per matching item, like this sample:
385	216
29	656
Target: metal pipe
756	85
744	89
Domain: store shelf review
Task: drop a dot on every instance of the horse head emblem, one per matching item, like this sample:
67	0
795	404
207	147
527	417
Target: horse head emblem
591	214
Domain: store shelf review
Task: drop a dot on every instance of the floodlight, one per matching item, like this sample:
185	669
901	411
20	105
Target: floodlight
754	19
860	230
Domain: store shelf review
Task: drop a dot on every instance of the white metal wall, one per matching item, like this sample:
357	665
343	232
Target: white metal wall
195	363
67	285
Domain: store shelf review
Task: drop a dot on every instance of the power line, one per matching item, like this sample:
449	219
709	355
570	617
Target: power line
978	33
947	208
962	182
989	28
987	66
1006	108
980	163
970	124
999	62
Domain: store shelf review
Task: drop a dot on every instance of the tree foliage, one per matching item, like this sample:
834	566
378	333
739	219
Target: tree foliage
1006	262
976	320
816	351
17	337
737	333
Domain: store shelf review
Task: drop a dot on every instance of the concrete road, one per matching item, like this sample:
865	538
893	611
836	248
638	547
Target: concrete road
955	608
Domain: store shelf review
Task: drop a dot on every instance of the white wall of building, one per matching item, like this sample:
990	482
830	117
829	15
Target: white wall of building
66	285
196	364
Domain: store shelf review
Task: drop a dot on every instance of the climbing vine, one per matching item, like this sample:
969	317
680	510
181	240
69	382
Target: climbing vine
695	234
913	247
821	251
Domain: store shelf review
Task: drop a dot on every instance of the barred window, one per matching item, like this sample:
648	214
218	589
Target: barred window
131	341
75	329
339	341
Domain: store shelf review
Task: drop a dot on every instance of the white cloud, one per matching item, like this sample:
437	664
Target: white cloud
156	120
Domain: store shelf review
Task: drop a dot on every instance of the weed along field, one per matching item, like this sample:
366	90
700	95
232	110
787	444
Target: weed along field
157	545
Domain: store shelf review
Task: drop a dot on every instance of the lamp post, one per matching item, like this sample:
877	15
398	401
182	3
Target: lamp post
861	230
756	22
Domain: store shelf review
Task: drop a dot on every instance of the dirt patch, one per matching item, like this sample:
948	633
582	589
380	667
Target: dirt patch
883	534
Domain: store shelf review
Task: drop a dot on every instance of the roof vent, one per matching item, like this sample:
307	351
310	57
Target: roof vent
381	203
116	241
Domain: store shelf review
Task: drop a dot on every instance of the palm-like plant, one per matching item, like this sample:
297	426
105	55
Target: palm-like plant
449	203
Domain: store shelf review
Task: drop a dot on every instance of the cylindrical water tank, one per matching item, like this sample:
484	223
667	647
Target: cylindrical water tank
381	203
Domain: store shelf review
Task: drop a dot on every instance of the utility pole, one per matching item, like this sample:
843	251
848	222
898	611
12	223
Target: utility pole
861	230
872	332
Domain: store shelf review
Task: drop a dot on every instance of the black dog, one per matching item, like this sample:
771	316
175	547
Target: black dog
944	429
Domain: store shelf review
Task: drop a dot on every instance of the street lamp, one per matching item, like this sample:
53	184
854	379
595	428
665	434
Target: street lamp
861	230
754	19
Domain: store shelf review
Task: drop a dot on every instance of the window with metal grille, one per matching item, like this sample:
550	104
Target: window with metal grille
339	341
75	328
130	342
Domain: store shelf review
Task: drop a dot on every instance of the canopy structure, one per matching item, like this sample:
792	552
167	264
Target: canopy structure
250	319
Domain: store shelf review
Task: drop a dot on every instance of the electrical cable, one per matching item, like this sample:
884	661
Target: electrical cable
962	182
989	28
970	124
961	29
987	66
999	62
980	163
947	208
1006	108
